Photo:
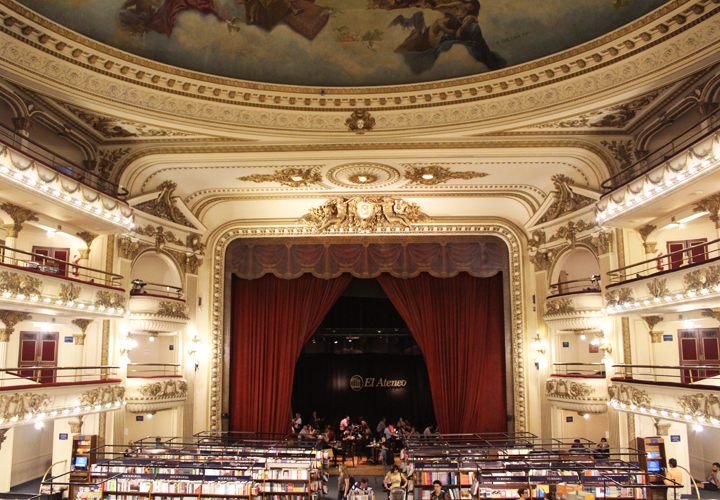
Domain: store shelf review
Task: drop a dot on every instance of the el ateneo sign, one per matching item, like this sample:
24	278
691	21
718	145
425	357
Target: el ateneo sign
358	383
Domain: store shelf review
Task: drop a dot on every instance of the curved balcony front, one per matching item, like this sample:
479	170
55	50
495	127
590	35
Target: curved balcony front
574	306
579	387
154	387
156	308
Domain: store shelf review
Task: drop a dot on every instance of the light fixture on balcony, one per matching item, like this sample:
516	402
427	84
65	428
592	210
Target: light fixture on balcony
194	349
153	336
539	349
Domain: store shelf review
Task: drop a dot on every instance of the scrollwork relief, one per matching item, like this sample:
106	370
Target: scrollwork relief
559	306
172	309
657	288
105	300
102	396
17	406
701	405
567	389
19	284
629	395
364	214
69	292
619	297
708	277
166	389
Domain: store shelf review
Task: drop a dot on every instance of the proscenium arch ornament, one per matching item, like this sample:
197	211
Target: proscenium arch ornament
508	234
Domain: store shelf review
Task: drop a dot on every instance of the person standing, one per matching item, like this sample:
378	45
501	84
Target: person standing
674	476
395	479
380	427
344	423
343	482
297	424
438	493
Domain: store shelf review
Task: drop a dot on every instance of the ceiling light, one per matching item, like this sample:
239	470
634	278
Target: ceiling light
362	178
428	176
51	233
297	178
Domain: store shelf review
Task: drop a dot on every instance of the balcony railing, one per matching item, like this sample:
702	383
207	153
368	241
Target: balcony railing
680	259
589	285
38	375
148	370
58	163
579	369
682	142
686	374
57	267
141	287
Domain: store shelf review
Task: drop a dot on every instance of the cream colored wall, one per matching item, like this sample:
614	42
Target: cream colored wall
157	351
32	452
162	424
592	428
152	268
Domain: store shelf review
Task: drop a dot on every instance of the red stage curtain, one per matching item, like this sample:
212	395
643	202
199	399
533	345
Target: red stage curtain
272	319
458	324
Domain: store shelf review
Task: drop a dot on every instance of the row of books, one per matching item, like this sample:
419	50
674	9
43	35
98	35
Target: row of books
285	487
180	486
452	478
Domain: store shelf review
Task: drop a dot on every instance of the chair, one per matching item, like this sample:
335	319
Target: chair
348	451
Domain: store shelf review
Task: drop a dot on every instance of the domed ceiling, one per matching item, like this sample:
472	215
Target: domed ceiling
343	42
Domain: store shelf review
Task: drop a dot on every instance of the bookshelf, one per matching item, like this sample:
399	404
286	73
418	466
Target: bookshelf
82	459
653	461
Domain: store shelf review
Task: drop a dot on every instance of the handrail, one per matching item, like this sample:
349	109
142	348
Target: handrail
109	279
563	287
106	367
49	374
665	367
662	154
138	288
689	374
71	169
578	364
580	371
172	368
658	262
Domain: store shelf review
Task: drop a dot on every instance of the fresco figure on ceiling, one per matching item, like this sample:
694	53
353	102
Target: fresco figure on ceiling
302	16
141	16
459	26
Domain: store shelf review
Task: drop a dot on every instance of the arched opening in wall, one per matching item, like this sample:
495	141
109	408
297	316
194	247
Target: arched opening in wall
156	268
577	270
452	296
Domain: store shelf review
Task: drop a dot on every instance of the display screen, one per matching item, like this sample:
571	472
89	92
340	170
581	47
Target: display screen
653	466
81	461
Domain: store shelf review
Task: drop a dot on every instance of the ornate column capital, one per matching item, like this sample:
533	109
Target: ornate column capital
662	429
83	324
88	238
22	125
604	242
76	427
710	204
84	253
645	231
19	216
10	319
651	322
650	246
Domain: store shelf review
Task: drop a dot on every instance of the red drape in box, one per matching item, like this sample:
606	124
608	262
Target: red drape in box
272	319
458	324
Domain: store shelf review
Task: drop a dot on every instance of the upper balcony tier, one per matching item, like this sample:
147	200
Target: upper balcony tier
154	387
680	281
36	283
578	387
36	394
156	308
665	178
65	191
574	305
678	393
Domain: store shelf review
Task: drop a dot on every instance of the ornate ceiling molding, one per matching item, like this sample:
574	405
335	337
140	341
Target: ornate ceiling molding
363	175
435	174
636	51
293	177
364	214
516	321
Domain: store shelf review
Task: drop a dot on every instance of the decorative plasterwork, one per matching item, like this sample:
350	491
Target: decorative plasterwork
22	406
154	396
559	306
705	405
435	174
172	309
517	322
167	389
651	322
542	261
645	231
657	288
293	177
566	200
604	242
570	231
710	204
705	278
625	55
19	215
115	128
109	300
10	319
584	396
364	214
570	389
622	151
629	395
69	292
613	117
83	324
102	396
87	237
619	297
76	425
363	175
17	284
164	207
360	121
129	249
711	313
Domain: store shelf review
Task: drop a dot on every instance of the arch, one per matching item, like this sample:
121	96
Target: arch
157	267
577	263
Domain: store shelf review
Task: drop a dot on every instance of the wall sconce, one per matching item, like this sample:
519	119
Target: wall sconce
194	350
539	349
127	345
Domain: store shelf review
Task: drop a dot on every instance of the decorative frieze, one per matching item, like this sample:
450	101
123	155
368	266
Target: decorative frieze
102	396
566	201
109	300
629	395
619	297
434	174
172	309
19	406
14	284
364	214
559	306
705	278
293	177
166	389
568	389
69	292
657	288
706	406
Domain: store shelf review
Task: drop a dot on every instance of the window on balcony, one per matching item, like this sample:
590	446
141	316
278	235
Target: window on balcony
693	256
38	349
699	347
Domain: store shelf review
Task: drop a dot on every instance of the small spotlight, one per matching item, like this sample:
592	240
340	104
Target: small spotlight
586	416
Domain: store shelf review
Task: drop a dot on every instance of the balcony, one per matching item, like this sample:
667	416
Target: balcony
154	387
30	173
37	283
658	392
38	394
664	178
156	308
680	281
574	305
579	387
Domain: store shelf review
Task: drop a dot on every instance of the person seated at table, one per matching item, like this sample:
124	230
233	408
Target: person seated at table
603	449
330	434
388	432
362	485
577	447
305	432
428	430
344	423
438	493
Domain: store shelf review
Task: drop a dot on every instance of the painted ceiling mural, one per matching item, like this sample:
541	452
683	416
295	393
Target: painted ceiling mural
343	42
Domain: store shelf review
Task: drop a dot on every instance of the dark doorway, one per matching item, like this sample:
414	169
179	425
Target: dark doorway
363	339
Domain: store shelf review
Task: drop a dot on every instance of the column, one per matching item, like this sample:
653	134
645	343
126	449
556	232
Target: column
79	341
124	269
546	410
19	215
88	238
10	319
655	336
649	246
6	458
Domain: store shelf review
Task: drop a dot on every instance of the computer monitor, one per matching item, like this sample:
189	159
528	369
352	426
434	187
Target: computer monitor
653	466
81	462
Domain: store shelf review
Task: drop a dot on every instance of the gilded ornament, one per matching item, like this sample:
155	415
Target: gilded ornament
19	215
69	292
105	300
102	396
629	395
18	405
619	297
567	389
87	237
537	240
566	200
360	121
172	309
708	277
604	242
542	261
646	230
128	249
19	284
711	313
622	151
559	306
76	425
570	231
657	288
107	159
166	389
164	206
293	177
435	174
10	319
710	204
701	405
363	214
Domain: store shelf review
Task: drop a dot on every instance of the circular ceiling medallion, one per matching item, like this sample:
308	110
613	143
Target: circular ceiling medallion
363	175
